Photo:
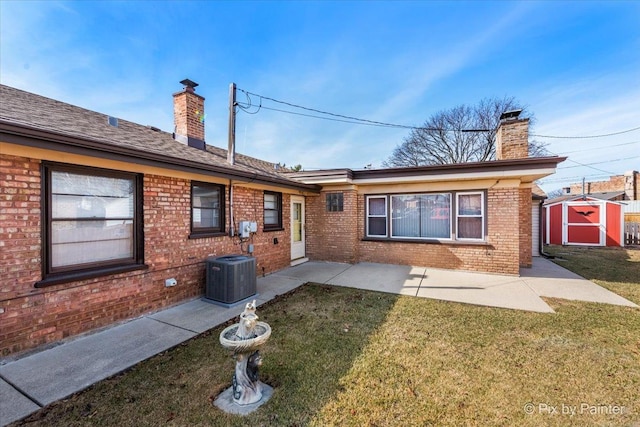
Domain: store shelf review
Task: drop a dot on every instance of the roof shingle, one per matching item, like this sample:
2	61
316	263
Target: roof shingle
31	111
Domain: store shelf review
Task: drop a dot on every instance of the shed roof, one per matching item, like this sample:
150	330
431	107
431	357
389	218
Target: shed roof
574	198
597	196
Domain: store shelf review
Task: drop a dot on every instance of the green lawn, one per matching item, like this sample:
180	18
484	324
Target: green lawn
345	357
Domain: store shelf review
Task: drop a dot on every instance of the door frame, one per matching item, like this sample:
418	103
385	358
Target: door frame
600	225
298	249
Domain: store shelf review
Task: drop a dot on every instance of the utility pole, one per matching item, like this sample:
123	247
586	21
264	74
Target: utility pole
231	152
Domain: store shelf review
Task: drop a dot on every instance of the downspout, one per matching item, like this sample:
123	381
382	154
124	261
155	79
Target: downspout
541	231
231	229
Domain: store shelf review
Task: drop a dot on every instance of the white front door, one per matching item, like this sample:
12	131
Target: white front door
297	228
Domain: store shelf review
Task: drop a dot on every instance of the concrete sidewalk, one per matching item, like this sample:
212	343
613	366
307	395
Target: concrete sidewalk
33	381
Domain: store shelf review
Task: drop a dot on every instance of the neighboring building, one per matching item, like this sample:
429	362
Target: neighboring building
97	213
617	188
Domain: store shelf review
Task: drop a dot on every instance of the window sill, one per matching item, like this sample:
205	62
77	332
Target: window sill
61	278
266	230
204	235
429	242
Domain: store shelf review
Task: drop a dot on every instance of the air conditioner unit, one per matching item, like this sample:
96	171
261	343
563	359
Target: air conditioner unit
230	278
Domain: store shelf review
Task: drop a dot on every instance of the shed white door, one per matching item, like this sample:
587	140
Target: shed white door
535	228
584	223
297	228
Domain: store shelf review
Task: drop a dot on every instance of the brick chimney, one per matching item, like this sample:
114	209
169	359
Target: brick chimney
512	137
188	116
632	185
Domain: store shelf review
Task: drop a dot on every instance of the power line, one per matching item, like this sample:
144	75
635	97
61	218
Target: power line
325	118
588	136
344	118
572	179
356	120
597	163
582	164
599	148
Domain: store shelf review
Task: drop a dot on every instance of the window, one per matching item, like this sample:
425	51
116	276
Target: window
377	216
272	211
335	202
93	221
207	209
470	216
430	216
421	216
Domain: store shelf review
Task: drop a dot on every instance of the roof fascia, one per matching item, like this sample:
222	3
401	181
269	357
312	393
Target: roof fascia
496	165
542	166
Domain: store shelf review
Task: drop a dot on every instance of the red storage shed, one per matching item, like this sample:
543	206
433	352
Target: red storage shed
584	220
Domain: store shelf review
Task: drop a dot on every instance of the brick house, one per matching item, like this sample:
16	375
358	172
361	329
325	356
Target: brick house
470	216
98	212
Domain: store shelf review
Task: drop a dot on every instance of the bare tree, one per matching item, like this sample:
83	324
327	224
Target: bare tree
461	134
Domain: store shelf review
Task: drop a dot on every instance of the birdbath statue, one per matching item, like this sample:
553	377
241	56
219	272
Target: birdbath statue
244	338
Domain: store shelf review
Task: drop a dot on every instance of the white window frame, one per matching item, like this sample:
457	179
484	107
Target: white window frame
385	216
482	215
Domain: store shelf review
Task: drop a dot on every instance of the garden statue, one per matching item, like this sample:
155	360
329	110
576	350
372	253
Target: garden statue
244	339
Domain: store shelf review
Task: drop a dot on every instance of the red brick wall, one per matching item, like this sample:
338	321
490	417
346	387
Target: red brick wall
19	224
332	236
499	255
31	316
526	240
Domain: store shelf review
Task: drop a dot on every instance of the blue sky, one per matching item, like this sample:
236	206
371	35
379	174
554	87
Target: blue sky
576	65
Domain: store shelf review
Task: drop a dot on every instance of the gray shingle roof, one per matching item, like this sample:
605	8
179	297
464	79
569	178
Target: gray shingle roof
30	111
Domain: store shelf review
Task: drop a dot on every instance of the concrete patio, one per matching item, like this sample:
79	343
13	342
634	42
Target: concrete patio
33	381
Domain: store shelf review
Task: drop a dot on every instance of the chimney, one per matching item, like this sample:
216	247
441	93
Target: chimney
188	116
512	137
631	190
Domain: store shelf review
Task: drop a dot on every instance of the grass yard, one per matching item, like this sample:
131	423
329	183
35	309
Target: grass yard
344	357
617	269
